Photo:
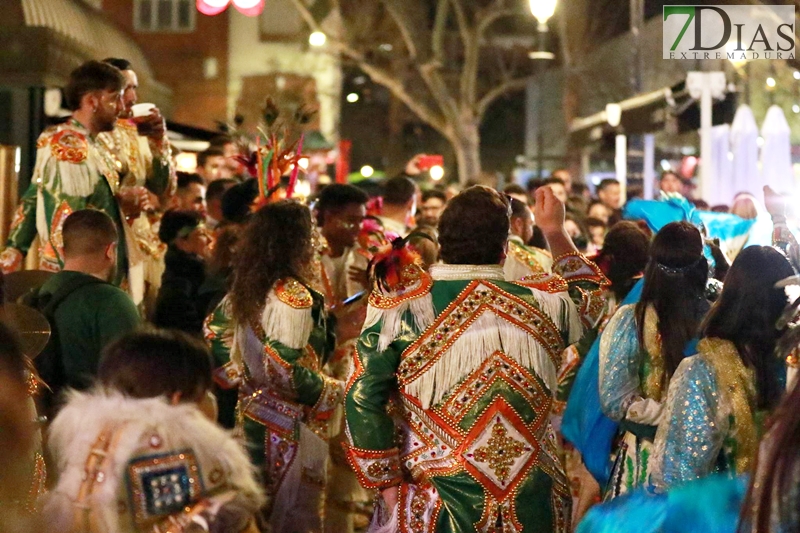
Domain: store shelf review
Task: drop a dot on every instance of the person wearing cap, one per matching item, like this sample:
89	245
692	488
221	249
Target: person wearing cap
178	305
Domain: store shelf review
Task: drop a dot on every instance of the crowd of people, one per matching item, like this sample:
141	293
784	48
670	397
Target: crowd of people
229	359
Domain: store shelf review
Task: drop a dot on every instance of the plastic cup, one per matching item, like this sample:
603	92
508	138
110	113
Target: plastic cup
142	110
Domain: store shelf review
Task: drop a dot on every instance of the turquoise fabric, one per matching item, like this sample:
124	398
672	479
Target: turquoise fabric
584	424
708	505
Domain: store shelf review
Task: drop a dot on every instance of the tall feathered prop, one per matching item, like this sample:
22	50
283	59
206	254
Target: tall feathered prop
276	157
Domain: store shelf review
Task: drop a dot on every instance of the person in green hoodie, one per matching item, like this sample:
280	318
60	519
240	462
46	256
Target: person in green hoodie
86	312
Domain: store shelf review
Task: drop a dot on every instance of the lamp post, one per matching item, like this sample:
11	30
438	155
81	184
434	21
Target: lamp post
706	86
614	119
542	10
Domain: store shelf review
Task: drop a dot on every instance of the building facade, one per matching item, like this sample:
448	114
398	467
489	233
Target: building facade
228	64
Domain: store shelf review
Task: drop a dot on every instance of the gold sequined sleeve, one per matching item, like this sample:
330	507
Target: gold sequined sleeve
585	281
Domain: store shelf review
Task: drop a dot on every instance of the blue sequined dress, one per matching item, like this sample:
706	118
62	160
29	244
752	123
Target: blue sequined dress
631	382
709	418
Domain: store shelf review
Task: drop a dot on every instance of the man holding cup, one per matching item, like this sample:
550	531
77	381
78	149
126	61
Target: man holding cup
138	143
74	171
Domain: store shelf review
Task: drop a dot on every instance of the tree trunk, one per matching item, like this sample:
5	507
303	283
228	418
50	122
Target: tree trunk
467	147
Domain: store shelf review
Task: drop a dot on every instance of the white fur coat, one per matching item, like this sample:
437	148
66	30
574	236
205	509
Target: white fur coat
142	423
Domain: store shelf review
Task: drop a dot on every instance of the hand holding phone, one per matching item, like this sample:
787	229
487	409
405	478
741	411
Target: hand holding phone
427	162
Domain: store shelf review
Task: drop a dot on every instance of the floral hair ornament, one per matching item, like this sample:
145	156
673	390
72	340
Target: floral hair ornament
390	262
375	206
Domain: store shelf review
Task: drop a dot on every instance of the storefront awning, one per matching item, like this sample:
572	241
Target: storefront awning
669	108
44	40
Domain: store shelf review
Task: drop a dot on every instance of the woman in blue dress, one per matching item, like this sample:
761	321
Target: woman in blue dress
643	345
717	397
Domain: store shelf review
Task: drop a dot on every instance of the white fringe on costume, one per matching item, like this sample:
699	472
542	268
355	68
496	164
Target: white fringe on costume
42	227
391	525
296	495
421	309
562	311
515	270
76	429
286	324
487	335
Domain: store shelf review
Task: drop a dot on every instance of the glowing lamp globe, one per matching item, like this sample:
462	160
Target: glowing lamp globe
543	9
251	8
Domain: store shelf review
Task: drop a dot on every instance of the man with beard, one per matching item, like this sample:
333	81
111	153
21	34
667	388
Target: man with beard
523	260
140	146
73	171
142	155
85	311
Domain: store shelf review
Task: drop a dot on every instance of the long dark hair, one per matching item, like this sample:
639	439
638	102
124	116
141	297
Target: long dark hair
775	475
746	314
674	284
624	256
276	243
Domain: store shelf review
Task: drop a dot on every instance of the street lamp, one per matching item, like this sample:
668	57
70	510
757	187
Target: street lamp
436	172
542	10
317	39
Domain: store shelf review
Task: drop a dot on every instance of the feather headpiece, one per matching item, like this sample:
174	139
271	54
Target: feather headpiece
277	157
391	264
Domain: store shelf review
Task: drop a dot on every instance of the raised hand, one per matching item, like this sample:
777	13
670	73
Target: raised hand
549	211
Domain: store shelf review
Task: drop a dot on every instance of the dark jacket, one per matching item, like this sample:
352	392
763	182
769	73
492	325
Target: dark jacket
90	314
178	305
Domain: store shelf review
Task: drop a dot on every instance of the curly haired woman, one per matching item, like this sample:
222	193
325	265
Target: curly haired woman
273	330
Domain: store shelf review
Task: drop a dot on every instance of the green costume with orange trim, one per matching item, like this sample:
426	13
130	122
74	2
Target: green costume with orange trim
73	171
285	401
466	363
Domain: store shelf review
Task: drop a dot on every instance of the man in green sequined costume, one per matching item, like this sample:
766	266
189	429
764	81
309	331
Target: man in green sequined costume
465	363
73	171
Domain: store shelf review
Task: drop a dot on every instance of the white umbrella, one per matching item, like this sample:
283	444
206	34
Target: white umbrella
723	165
776	153
744	145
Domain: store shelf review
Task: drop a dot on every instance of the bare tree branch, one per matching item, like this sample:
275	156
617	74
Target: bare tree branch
400	21
469	71
380	76
516	84
440	29
429	70
432	77
461	18
489	17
